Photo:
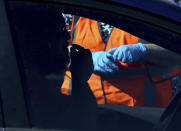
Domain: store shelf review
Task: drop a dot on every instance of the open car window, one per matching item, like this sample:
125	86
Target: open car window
39	30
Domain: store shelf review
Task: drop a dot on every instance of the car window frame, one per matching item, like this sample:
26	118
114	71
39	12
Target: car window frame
145	20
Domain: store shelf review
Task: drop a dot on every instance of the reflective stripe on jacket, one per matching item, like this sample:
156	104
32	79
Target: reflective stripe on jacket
135	84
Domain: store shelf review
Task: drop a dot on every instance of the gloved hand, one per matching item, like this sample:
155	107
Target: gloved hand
102	64
127	53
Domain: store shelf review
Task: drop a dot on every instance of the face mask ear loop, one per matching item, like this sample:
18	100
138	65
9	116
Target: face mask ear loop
69	54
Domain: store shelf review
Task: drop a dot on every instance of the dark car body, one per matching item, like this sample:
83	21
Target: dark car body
24	109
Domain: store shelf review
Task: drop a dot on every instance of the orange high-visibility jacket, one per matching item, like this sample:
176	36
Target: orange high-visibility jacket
135	85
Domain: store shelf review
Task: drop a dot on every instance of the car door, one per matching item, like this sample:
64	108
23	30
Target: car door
30	101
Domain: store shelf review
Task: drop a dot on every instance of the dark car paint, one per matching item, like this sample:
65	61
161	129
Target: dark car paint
164	8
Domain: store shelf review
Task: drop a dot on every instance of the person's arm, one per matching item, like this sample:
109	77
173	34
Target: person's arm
81	68
104	62
161	56
83	106
147	52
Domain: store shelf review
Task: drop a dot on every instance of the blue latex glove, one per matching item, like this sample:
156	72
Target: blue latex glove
102	64
127	53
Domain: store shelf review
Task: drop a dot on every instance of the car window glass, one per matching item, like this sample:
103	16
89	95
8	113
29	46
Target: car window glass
35	28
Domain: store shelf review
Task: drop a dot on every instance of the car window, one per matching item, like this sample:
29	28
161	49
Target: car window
40	39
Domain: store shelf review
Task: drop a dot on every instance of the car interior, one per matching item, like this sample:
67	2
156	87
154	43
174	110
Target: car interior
36	102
